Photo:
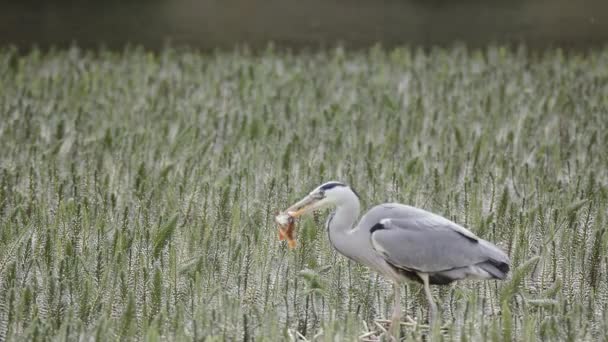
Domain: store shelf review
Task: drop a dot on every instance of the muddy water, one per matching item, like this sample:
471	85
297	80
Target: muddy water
209	24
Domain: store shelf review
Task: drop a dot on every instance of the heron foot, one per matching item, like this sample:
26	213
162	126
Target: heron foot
384	330
381	329
389	329
410	323
374	334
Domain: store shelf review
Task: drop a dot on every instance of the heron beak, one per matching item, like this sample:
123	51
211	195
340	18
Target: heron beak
302	207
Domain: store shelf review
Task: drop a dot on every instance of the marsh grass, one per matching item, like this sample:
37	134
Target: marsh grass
137	190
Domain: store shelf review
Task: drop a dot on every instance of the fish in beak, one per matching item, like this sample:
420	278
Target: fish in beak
286	227
286	219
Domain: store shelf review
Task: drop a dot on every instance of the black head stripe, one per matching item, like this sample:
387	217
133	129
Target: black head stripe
331	185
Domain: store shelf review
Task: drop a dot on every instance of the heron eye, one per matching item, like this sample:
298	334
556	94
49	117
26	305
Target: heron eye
321	194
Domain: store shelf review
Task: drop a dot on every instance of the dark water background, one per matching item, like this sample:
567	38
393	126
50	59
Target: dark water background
209	24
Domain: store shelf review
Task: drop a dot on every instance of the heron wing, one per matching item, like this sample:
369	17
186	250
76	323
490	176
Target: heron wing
427	246
414	217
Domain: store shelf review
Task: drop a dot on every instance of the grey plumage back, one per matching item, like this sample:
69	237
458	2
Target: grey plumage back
414	240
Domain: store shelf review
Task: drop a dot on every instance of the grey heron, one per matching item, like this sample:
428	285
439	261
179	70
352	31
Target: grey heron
403	243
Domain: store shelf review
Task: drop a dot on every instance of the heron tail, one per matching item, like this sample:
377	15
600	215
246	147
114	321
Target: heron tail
497	269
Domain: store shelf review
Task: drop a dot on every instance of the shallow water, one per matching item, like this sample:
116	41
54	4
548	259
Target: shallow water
300	24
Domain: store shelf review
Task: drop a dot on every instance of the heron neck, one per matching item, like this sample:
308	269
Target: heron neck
340	225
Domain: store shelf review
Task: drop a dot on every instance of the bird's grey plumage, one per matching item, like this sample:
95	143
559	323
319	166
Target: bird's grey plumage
416	248
401	241
415	216
415	240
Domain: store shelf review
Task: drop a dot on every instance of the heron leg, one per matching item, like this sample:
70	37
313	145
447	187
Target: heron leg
396	318
397	308
429	297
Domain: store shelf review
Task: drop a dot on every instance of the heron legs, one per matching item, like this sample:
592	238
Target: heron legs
395	323
396	317
433	322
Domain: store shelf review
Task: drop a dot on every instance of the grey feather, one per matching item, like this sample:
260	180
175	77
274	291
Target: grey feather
420	241
415	246
414	216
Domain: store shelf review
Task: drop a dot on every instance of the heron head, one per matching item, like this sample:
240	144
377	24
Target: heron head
327	194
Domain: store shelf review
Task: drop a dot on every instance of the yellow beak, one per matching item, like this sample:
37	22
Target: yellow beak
302	207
